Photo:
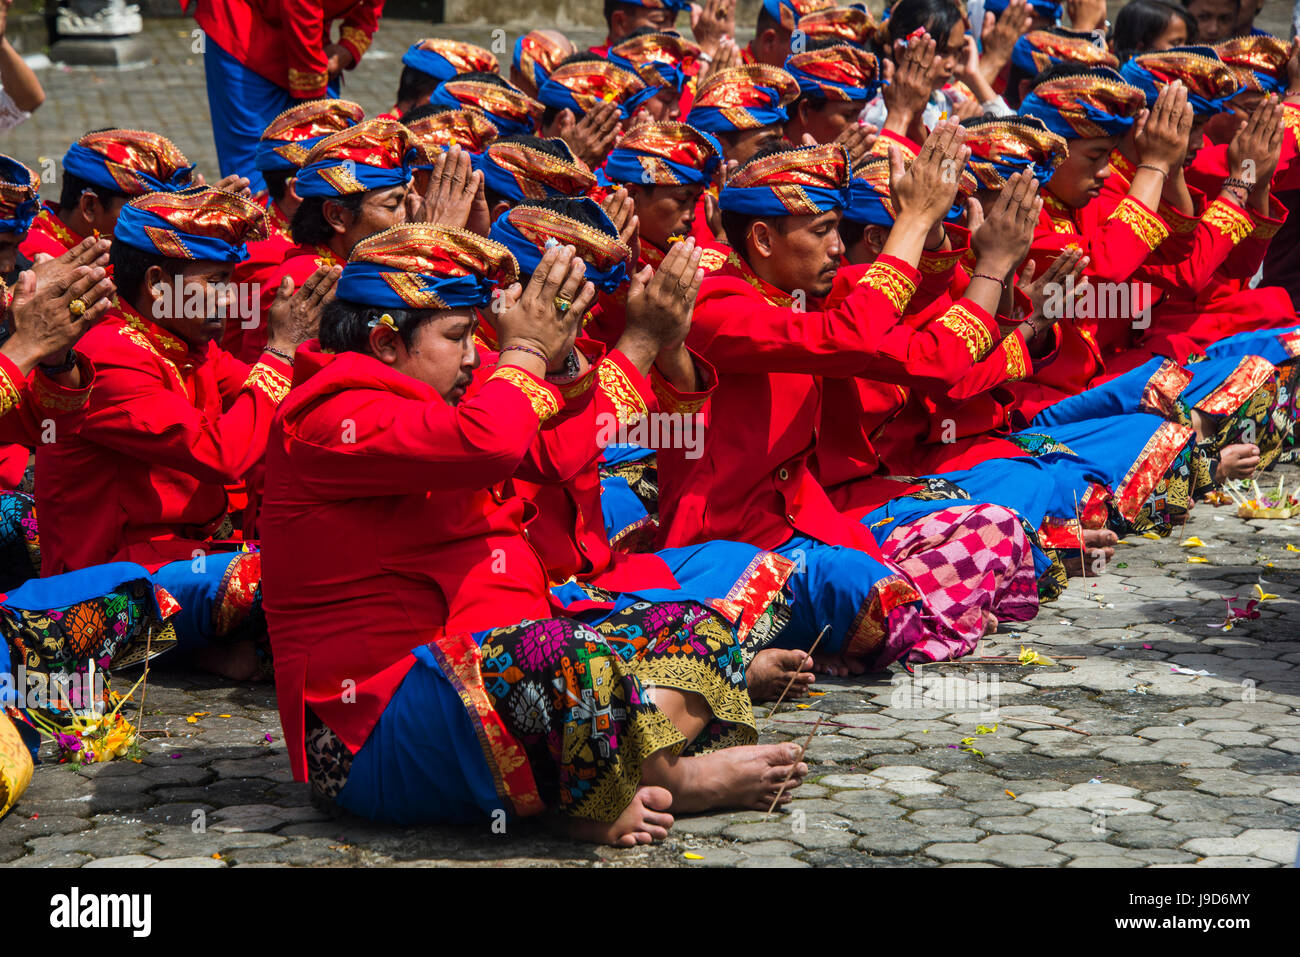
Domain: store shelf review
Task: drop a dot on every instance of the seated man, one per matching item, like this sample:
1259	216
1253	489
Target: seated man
101	172
430	62
173	418
474	694
835	82
760	321
625	17
280	152
520	168
777	20
668	57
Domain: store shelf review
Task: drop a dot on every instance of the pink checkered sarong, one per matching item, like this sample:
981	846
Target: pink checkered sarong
973	566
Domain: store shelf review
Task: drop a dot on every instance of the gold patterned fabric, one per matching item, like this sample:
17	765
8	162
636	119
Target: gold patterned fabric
1259	60
541	399
746	94
854	24
964	324
1002	146
1145	224
891	283
468	129
1229	220
307	123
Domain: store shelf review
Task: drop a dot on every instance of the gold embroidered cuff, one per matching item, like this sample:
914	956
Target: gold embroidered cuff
963	323
670	400
1018	361
307	82
53	398
932	264
10	395
1229	220
357	40
890	283
1145	225
541	399
618	388
270	382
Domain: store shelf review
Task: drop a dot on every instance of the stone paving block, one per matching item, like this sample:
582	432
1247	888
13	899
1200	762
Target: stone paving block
1267	844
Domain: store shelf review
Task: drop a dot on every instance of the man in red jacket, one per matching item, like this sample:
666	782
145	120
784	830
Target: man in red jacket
761	321
173	419
262	57
102	171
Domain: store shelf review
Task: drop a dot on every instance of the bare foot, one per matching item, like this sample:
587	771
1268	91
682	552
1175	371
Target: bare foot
743	777
1097	546
238	662
644	821
771	670
1237	462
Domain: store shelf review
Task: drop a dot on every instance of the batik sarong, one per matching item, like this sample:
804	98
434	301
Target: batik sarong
553	714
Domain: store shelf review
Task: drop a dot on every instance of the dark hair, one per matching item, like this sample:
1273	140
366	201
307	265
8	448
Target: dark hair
129	265
736	225
309	226
766	21
415	84
481	76
277	181
851	232
612	5
937	16
1188	3
74	186
1139	23
345	326
424	110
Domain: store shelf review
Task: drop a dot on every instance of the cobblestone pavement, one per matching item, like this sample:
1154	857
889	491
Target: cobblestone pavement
1110	759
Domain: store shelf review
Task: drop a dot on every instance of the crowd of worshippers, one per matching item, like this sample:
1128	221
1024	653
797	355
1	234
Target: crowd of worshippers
927	313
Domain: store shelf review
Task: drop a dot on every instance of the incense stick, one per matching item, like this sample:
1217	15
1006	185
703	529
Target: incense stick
802	748
798	671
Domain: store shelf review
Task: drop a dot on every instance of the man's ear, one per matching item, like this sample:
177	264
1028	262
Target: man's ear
340	219
291	189
618	23
157	291
385	344
1024	88
760	237
876	237
501	208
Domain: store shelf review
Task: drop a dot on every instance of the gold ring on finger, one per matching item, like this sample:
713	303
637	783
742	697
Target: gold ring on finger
77	307
563	304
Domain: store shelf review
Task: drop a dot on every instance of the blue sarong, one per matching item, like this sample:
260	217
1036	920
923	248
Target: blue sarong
242	105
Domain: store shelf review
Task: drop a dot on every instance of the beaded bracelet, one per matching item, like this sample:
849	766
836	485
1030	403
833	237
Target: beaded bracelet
278	354
528	349
984	275
1154	169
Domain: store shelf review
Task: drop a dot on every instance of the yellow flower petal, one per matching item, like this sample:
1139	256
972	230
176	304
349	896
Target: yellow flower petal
1197	560
803	706
1192	542
1010	794
1150	535
1292	548
1263	595
688	855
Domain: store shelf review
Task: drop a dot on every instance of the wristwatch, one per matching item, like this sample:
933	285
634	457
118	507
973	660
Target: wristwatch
572	366
69	361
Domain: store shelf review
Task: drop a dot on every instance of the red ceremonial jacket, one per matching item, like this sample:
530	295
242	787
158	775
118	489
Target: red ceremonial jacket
48	234
143	480
284	40
392	532
1117	239
753	482
36	410
245	336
